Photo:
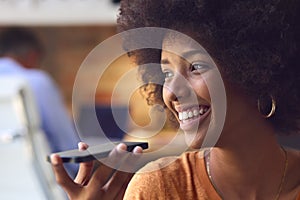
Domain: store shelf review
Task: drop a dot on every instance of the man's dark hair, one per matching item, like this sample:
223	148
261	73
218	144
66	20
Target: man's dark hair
18	41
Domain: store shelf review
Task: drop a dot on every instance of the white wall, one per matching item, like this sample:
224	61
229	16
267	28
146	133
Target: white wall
57	12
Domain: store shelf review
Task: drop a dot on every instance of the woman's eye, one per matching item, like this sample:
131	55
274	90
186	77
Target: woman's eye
167	74
199	67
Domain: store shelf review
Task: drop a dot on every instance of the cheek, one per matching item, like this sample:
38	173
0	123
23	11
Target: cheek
201	90
166	96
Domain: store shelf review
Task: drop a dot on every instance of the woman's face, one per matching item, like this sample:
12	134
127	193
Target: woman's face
194	92
185	91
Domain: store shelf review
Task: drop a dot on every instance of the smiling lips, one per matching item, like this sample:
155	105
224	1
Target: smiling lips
192	113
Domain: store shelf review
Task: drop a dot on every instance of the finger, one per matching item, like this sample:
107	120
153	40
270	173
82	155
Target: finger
108	166
85	168
98	180
115	156
103	175
137	150
61	176
84	173
82	146
130	163
121	193
116	186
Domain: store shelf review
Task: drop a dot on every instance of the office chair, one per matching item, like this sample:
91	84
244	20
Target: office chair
20	132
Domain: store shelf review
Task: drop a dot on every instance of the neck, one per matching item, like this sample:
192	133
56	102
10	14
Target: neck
248	165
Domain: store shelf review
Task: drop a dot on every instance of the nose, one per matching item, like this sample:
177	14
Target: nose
178	88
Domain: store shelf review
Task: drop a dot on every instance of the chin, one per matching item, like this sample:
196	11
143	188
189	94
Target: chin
194	140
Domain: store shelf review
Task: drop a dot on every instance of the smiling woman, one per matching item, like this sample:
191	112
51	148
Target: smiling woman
254	46
185	92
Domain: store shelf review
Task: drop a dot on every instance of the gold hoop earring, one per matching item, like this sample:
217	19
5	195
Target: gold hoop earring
273	108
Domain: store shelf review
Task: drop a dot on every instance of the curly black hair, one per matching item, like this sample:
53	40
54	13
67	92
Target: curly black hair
255	43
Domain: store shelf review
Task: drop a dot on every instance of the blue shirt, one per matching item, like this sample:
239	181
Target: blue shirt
55	121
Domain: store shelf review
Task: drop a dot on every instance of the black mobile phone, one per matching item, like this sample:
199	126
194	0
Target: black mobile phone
95	152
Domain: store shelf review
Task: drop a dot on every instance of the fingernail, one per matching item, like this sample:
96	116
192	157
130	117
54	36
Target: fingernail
137	150
79	145
121	147
53	158
82	146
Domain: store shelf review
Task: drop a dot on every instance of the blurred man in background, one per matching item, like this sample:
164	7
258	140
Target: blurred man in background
21	54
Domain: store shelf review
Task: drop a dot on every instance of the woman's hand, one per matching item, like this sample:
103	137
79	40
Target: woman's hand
109	180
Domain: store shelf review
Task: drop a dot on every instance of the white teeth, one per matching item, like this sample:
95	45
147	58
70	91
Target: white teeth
201	111
180	116
196	113
185	115
192	113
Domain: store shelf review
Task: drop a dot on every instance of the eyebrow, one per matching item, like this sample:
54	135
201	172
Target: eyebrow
164	61
193	52
186	55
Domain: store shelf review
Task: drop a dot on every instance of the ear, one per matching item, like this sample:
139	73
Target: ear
32	60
